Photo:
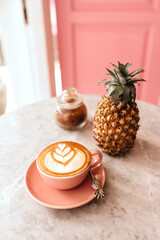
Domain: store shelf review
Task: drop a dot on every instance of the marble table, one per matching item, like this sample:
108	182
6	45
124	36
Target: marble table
131	208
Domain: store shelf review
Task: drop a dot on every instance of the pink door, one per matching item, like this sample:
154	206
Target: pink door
92	33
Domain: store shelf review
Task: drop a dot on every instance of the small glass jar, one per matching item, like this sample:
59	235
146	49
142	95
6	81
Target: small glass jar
71	112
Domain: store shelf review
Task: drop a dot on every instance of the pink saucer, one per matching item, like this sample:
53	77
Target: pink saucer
60	199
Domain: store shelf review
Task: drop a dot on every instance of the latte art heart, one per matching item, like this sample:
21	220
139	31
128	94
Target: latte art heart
63	155
64	158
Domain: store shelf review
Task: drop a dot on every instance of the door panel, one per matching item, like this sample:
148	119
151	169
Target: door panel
90	65
106	5
93	33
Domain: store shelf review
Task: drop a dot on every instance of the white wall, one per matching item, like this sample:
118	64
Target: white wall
25	50
16	50
38	49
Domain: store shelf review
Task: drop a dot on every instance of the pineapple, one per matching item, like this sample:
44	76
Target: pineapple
117	116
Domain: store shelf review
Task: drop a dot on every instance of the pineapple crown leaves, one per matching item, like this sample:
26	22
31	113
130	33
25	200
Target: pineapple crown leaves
121	83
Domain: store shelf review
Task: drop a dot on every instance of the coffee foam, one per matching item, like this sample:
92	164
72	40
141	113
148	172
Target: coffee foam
64	159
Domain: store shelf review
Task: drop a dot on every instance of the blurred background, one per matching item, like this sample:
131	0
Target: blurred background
48	45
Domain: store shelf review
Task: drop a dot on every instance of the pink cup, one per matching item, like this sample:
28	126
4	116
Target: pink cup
64	183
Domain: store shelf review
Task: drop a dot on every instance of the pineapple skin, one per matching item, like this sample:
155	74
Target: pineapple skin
115	125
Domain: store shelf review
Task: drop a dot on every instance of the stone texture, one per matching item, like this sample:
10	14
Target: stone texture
130	209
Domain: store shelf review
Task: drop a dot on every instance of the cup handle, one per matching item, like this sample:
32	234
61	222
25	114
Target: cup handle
95	161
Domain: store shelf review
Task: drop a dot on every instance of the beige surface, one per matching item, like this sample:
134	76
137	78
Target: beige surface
131	208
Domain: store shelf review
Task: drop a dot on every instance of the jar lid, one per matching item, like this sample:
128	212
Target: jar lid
70	98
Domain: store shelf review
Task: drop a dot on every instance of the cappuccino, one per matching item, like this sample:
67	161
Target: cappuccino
64	159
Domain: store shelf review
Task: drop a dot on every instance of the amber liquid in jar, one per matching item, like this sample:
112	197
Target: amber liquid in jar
71	112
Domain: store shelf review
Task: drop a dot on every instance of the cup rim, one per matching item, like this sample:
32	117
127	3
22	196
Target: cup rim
67	177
